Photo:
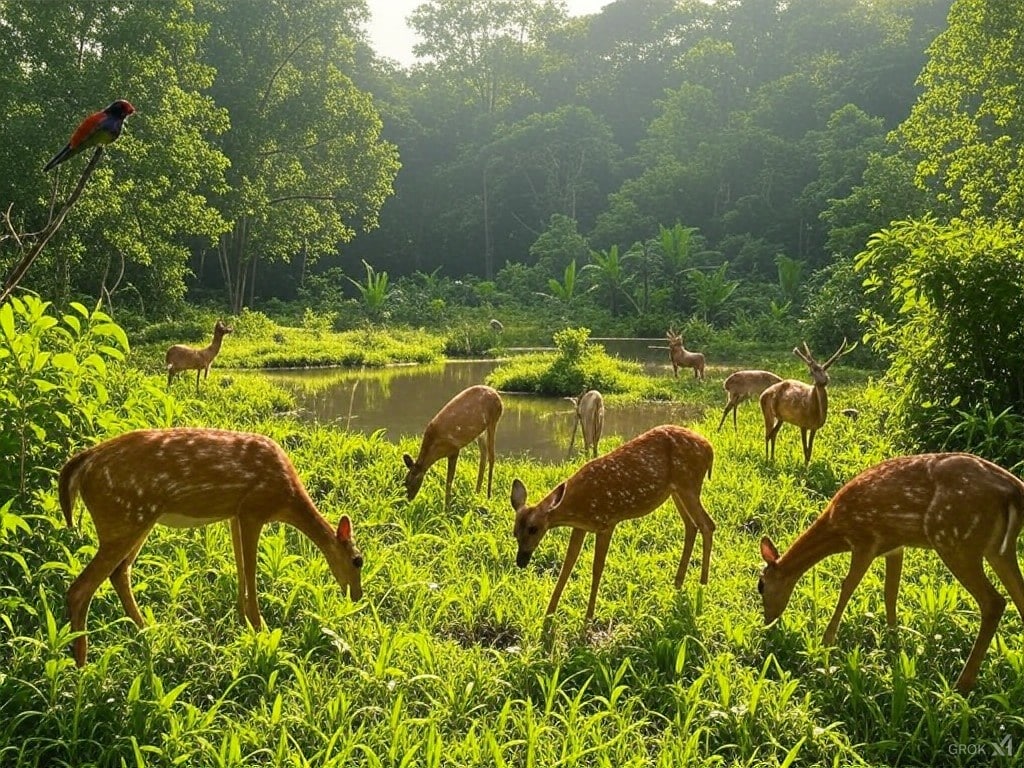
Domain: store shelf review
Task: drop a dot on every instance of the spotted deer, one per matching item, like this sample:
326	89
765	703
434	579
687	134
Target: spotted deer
683	358
793	402
965	508
588	413
187	478
629	482
184	358
471	414
743	385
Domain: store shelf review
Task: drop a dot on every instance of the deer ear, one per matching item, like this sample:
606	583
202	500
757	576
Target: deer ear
557	495
518	494
768	551
409	463
345	528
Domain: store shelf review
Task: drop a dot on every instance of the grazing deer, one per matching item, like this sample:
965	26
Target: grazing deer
682	358
467	416
588	411
184	358
793	402
186	478
631	481
965	508
741	386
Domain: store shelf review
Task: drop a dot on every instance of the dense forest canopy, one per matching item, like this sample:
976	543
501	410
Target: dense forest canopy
270	143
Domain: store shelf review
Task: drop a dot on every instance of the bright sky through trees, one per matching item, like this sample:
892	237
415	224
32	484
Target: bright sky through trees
392	38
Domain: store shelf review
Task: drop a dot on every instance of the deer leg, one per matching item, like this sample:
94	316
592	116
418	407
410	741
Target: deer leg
491	429
572	437
197	380
1008	570
600	553
725	413
810	446
893	572
108	556
770	438
121	578
571	555
236	545
735	409
690	538
170	375
482	442
691	509
971	573
449	478
249	539
860	559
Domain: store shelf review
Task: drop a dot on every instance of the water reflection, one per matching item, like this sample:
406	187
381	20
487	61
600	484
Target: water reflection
401	400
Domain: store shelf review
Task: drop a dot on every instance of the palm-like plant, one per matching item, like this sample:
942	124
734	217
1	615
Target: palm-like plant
712	290
610	273
566	290
374	292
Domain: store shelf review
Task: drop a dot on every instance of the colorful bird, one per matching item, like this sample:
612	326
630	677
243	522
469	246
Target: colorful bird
98	128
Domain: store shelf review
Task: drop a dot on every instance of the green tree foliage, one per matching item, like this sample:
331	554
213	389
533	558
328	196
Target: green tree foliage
308	167
955	293
965	130
149	199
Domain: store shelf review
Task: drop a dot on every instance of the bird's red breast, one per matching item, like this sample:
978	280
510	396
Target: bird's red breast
86	128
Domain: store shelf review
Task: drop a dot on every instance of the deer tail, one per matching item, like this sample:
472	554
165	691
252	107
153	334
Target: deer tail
67	485
711	460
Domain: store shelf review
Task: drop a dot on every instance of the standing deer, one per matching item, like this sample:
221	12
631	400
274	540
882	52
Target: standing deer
184	358
467	416
793	402
631	481
186	478
682	358
588	413
743	385
965	508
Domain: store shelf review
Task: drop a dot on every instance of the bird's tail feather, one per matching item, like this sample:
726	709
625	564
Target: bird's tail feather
59	158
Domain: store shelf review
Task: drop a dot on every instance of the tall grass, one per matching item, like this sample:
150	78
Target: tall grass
443	662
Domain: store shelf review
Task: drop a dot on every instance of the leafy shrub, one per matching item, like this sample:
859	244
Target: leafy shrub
61	380
956	341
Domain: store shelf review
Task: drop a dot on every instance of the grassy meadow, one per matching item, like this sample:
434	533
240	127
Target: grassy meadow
443	662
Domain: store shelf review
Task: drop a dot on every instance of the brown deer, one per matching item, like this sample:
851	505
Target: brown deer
588	411
743	385
682	358
471	414
184	358
965	508
629	482
188	478
793	402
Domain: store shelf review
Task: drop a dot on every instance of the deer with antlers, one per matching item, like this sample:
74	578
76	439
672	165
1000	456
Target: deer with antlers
683	358
965	508
743	385
186	478
588	413
183	358
793	402
629	482
471	414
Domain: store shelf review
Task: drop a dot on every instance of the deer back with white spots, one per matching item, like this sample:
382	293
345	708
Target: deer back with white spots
472	414
803	405
629	482
190	478
965	508
683	358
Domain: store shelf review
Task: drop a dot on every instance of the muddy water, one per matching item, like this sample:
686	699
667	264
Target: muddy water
401	400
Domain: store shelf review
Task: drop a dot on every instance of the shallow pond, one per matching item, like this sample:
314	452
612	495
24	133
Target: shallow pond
401	400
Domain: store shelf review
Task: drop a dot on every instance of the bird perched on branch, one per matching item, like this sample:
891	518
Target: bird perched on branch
98	128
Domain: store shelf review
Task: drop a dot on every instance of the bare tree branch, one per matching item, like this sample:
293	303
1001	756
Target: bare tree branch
55	223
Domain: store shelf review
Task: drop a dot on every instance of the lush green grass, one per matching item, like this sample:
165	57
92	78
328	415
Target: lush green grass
443	663
258	342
